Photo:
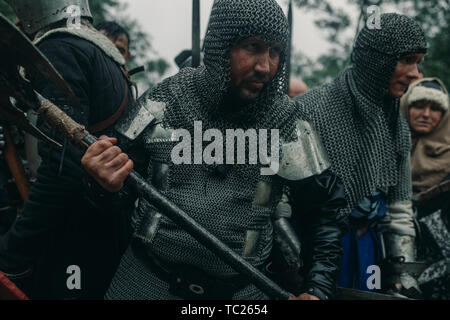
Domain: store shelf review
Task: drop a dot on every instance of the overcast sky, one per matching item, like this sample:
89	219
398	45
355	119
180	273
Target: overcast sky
169	22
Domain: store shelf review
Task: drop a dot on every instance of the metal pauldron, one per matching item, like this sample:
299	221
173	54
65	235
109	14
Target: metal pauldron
139	116
304	157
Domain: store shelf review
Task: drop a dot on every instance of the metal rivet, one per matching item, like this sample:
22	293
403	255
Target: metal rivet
195	288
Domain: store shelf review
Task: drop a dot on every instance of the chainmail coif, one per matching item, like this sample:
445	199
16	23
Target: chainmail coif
230	23
367	140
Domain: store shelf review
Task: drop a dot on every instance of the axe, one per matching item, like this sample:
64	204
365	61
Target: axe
16	91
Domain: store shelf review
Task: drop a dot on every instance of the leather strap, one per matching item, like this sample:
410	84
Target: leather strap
111	120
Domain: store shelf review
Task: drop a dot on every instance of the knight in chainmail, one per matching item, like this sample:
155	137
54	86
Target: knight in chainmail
357	116
234	202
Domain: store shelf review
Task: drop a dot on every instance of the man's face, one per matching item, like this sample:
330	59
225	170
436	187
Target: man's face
424	116
405	73
121	43
254	63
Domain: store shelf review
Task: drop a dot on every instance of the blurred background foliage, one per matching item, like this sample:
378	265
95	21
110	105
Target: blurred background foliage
337	27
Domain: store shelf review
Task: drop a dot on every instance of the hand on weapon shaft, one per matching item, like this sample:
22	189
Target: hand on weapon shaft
107	164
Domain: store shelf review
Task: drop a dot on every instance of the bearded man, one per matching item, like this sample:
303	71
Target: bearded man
241	86
368	141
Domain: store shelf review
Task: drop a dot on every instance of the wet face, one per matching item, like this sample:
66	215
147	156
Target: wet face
254	64
405	73
424	116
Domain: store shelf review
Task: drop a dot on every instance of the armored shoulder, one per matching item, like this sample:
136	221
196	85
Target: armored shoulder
140	115
303	157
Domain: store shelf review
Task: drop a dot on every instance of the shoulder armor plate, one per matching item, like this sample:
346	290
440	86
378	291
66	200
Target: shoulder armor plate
304	157
139	116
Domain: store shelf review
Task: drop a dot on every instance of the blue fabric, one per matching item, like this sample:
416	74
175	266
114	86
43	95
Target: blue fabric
360	253
370	209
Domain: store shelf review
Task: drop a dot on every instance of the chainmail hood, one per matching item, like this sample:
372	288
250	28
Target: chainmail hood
231	22
360	124
377	51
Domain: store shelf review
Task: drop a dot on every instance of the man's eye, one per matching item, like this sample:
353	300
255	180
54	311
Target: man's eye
408	60
275	52
411	60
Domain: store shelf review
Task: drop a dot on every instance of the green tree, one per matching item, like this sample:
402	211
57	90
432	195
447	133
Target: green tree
433	15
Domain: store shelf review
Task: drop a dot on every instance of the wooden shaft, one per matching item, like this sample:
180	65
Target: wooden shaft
59	120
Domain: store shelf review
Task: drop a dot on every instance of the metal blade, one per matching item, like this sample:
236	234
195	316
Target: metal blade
13	115
353	294
18	50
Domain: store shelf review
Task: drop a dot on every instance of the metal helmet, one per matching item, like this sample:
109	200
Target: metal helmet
37	14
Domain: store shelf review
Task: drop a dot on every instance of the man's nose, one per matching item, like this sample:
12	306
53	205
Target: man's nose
263	63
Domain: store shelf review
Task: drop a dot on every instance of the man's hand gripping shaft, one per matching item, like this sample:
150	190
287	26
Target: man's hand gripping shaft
107	164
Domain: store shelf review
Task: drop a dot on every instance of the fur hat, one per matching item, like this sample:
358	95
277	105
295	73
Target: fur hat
431	90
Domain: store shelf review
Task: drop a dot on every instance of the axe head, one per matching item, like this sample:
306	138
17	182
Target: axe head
18	51
17	96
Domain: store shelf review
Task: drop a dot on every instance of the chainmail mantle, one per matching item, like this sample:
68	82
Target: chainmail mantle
367	140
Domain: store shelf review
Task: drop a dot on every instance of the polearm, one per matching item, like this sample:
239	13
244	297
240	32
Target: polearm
432	192
195	33
77	134
12	47
289	52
